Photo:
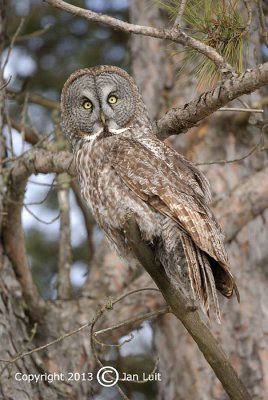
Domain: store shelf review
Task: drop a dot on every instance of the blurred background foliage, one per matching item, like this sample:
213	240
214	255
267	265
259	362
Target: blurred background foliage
50	46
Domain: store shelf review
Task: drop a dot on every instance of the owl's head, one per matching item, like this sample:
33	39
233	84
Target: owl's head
101	99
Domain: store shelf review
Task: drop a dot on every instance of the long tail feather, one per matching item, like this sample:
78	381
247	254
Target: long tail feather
201	277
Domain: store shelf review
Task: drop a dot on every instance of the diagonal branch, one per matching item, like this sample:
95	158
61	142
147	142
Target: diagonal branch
175	35
178	120
189	317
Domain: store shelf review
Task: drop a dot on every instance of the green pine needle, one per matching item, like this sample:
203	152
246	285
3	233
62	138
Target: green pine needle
217	23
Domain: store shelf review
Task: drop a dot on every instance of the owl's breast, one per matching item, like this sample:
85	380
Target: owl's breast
108	197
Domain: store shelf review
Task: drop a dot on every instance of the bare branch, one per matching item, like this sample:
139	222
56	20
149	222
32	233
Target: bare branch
40	219
237	109
45	346
34	34
109	304
134	320
178	120
175	35
190	318
13	40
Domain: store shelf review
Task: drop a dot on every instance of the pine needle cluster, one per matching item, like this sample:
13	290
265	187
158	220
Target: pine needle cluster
217	23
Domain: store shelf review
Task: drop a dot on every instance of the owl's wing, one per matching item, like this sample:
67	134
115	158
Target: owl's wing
176	193
183	168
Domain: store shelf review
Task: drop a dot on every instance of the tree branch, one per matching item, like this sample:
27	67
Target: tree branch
190	318
178	120
176	35
41	161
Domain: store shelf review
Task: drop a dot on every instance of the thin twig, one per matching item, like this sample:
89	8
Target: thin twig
133	292
45	346
33	333
35	203
134	320
109	303
51	185
6	83
248	110
235	159
13	40
41	220
34	34
178	19
131	337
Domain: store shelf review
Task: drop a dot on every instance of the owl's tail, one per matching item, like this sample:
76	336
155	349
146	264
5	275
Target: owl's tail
201	277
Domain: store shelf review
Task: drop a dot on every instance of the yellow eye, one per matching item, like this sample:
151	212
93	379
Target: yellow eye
87	104
112	99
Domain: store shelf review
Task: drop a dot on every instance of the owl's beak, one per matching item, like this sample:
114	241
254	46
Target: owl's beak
102	117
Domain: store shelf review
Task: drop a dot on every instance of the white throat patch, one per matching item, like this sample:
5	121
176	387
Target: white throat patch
91	138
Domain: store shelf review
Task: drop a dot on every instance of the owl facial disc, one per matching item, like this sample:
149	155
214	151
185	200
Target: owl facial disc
99	102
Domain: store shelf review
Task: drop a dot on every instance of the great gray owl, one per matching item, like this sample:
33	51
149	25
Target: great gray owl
122	166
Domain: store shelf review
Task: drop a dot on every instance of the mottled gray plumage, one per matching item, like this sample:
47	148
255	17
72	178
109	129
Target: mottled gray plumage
122	166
